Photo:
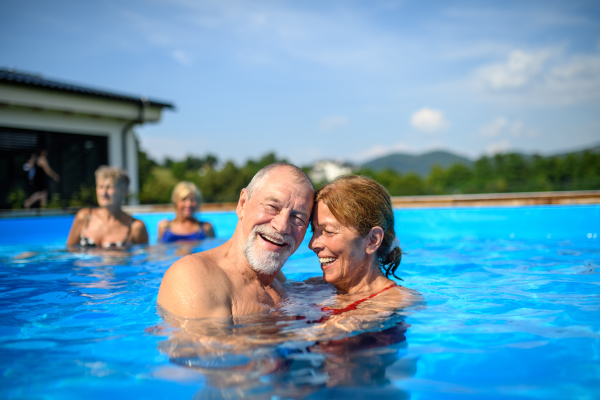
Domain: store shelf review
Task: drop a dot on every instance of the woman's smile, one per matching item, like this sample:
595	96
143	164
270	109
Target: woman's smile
326	262
337	246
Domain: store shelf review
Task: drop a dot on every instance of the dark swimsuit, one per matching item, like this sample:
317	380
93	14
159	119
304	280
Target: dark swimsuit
169	236
87	242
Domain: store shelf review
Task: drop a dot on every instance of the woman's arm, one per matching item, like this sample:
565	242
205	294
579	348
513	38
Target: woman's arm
77	227
208	229
162	227
43	162
139	234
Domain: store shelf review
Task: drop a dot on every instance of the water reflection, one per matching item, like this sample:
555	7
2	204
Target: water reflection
349	368
288	362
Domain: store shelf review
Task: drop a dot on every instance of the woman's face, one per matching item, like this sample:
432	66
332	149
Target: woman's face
108	193
341	250
187	206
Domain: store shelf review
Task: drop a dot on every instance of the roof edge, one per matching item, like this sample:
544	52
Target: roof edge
21	78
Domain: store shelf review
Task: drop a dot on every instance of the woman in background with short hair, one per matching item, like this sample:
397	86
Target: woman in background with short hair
186	198
108	226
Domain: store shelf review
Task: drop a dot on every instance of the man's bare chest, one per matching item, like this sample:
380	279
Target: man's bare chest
252	298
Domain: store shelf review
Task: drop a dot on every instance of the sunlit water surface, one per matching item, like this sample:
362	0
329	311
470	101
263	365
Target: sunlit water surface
512	311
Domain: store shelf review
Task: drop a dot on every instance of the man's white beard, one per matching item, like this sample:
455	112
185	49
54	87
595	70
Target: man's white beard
264	261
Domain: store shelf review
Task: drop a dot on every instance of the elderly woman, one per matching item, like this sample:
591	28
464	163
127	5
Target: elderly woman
186	198
107	226
354	237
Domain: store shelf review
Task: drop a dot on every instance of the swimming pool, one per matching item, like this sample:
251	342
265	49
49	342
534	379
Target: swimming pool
513	311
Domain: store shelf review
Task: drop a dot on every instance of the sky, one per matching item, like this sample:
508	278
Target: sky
317	79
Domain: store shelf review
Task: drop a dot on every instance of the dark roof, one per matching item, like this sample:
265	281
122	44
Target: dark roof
27	79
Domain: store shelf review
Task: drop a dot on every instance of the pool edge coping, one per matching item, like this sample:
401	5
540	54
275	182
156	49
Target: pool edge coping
582	197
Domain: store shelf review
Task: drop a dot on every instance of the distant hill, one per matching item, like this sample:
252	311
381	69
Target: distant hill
419	164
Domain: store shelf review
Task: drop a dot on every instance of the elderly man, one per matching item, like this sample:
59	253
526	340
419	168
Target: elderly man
238	277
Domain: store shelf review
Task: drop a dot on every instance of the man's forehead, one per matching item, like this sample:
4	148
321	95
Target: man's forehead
278	192
284	188
285	178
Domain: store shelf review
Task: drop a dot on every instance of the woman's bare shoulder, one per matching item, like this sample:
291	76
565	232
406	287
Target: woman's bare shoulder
406	296
83	214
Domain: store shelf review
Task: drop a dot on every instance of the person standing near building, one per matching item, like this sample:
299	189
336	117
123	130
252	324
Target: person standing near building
38	170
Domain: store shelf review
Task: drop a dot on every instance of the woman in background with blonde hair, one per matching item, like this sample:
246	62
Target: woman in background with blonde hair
186	198
108	226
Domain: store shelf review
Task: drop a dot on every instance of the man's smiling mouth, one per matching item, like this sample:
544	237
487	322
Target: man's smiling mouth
276	242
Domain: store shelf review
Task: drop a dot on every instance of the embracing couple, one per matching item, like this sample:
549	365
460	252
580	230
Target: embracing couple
353	236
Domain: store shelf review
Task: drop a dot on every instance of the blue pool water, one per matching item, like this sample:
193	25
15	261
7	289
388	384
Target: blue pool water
513	311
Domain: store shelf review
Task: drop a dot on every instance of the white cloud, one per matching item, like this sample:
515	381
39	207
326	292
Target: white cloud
494	128
516	72
516	128
332	123
577	79
279	31
502	126
181	57
498	147
542	77
428	120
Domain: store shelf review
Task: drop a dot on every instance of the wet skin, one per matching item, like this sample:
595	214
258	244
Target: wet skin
185	223
220	282
108	223
348	260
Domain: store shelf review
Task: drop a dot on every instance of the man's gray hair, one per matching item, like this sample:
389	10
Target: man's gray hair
262	175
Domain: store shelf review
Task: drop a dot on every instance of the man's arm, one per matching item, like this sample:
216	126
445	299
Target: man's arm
194	288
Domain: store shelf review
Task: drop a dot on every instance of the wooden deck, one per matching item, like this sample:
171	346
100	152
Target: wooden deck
458	200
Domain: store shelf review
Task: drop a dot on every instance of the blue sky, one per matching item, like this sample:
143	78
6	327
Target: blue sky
346	80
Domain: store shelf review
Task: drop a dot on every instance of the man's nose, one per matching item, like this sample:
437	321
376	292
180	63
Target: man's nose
281	222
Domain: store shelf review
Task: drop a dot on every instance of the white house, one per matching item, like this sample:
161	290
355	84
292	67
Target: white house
327	170
81	128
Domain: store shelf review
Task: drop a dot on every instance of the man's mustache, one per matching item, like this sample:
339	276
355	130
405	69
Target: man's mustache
268	231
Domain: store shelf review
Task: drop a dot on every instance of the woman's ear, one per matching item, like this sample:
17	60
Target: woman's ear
374	239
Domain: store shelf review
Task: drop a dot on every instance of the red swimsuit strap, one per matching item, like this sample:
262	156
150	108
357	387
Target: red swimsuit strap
353	306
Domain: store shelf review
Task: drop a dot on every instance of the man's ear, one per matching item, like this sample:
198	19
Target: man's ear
239	210
374	239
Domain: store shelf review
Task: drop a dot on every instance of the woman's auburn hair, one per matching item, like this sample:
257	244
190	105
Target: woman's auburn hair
361	203
183	189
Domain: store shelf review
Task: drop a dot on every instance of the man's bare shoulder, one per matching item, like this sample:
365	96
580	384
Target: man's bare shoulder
195	286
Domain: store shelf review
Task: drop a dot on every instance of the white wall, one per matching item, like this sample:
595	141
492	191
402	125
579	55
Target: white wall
74	103
132	168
